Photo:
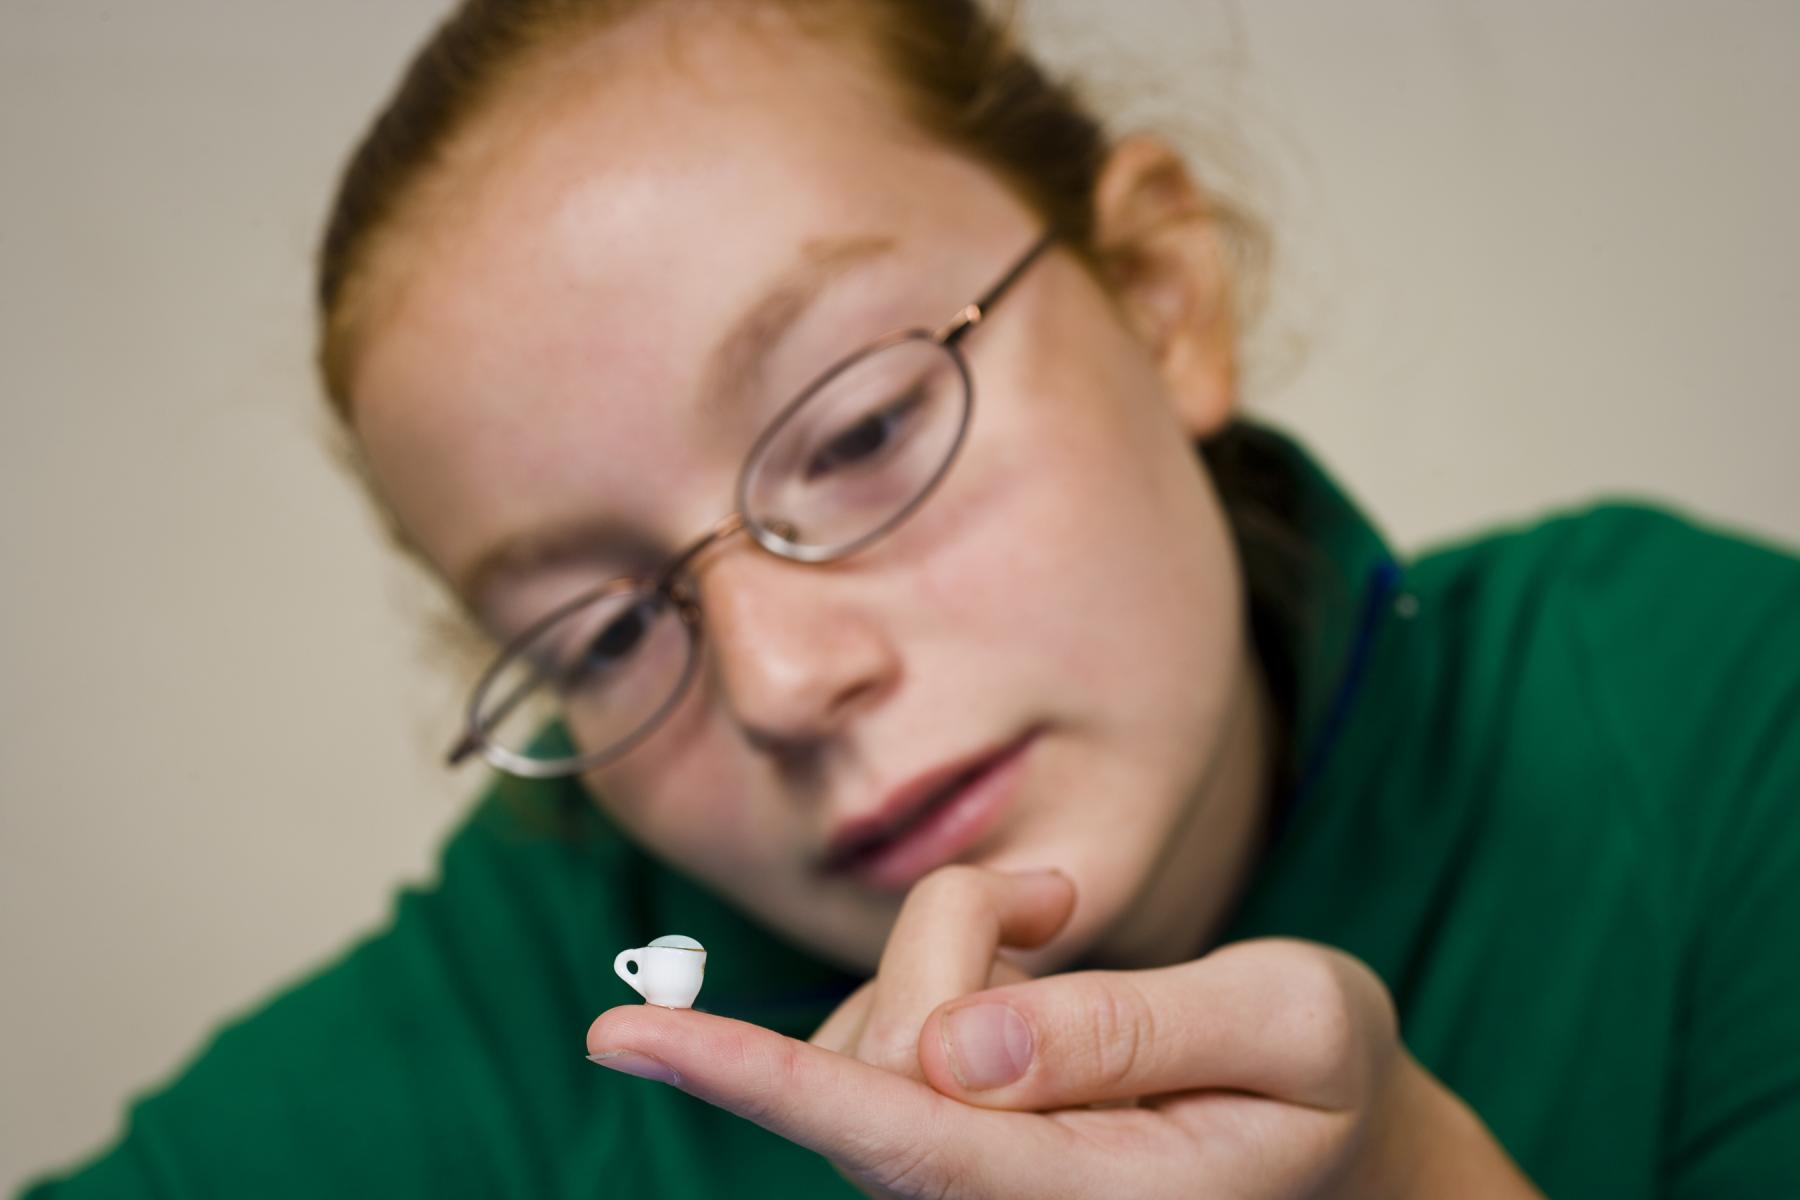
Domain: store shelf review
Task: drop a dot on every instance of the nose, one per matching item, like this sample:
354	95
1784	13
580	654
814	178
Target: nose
795	657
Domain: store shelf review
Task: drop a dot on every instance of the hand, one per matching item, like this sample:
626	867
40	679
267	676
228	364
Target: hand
944	944
1268	1068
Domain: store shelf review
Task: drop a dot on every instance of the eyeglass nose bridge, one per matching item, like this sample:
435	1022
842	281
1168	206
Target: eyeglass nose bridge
675	579
672	575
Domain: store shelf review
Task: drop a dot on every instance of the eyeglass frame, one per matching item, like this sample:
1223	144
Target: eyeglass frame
668	582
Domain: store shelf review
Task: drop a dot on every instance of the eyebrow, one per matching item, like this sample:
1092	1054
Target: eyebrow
735	367
732	371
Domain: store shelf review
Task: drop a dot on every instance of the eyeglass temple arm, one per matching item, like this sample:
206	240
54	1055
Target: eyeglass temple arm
464	747
971	316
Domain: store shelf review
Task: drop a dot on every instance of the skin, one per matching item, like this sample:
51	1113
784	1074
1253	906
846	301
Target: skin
544	319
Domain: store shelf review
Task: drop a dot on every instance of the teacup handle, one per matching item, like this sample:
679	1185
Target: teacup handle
630	956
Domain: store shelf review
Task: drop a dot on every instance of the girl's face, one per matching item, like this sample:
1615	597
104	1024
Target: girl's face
550	357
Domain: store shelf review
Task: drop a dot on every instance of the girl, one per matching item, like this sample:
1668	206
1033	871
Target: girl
837	433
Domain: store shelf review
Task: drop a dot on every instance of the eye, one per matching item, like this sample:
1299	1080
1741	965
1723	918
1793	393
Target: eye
620	637
616	641
868	438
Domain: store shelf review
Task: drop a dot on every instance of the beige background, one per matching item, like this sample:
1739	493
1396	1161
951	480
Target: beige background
1536	252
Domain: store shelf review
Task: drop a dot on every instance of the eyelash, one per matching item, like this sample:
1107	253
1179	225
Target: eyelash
890	416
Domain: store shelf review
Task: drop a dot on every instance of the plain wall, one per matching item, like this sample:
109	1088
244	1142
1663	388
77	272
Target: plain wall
1532	252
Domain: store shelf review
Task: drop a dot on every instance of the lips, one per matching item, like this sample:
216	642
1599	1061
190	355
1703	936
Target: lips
916	811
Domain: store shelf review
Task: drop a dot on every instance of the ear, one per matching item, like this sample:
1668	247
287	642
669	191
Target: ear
1160	254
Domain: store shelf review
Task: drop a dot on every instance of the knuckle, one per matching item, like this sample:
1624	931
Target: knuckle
913	1170
1120	1029
1335	1018
1318	1010
1377	1021
955	888
891	1049
843	1027
771	1078
921	1167
1326	1022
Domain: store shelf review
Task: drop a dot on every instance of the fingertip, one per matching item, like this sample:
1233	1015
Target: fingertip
633	1027
1051	905
1065	882
608	1021
1049	876
977	1048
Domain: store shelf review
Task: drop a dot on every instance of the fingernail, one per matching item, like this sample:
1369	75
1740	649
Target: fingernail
989	1045
641	1065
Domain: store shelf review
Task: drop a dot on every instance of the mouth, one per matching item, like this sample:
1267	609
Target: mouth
929	821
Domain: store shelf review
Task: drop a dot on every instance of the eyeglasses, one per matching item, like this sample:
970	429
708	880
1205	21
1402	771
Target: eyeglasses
843	463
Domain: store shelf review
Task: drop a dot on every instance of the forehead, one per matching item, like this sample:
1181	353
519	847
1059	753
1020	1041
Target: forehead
594	236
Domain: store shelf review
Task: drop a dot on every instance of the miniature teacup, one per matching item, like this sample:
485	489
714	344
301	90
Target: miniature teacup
667	972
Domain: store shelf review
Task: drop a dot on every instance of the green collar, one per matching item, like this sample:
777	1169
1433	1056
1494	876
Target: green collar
1321	596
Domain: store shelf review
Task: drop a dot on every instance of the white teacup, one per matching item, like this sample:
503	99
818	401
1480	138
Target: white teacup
667	972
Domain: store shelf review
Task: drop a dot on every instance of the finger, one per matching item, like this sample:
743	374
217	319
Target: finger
1290	1020
1005	973
892	1133
844	1026
843	1029
943	945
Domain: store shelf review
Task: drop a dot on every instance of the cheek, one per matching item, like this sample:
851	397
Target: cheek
1084	539
686	794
